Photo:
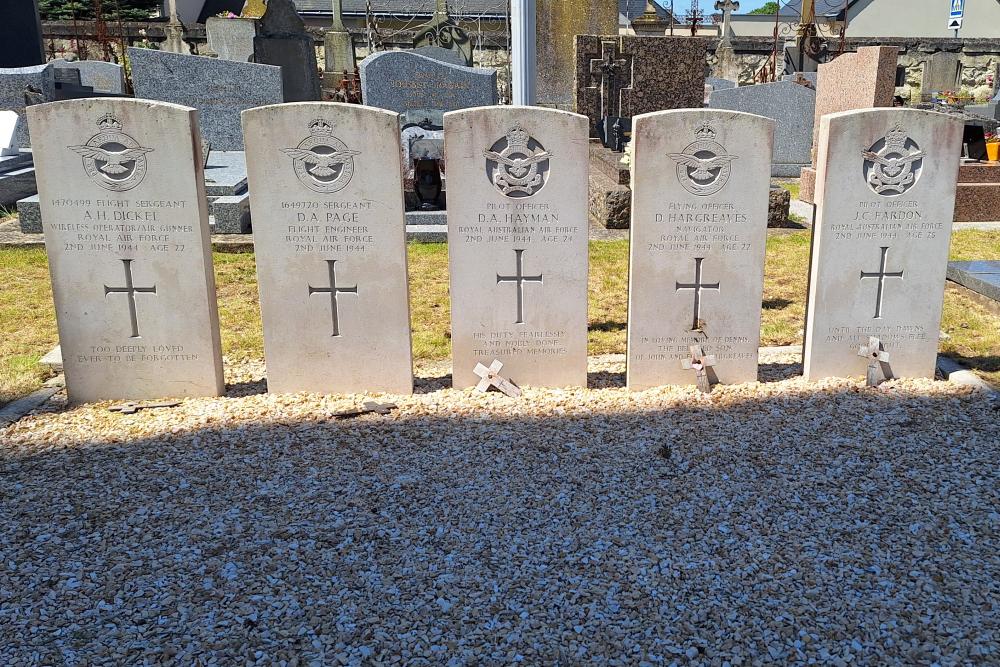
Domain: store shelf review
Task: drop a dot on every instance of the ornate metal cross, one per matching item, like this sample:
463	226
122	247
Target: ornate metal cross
519	279
697	286
610	69
130	290
333	290
491	378
881	275
700	363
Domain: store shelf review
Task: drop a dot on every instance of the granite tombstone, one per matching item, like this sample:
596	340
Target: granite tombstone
517	244
403	81
219	89
231	38
791	106
126	231
102	76
886	195
327	192
37	81
21	42
282	40
699	227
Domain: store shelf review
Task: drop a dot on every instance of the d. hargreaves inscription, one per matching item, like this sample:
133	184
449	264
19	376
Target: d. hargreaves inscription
881	239
893	163
696	256
322	162
517	164
113	159
704	166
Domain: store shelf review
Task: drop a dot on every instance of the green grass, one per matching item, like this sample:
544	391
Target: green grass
27	319
791	186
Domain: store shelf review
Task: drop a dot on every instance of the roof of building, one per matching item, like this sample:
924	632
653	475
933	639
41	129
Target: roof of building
405	7
828	8
628	10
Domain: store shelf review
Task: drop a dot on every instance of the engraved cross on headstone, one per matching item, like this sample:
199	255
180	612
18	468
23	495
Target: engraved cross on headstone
878	362
702	364
611	69
333	290
881	275
697	286
130	290
491	378
519	279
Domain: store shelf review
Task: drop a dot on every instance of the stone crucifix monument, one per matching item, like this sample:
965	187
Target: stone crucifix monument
122	195
886	195
517	244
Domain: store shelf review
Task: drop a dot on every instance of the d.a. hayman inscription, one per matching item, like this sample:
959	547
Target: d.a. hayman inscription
121	191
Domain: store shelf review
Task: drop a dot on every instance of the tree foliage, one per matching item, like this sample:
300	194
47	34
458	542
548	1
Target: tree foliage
768	8
112	10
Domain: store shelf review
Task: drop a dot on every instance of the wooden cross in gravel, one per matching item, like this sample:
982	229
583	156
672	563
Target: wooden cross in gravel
491	378
131	408
878	362
700	363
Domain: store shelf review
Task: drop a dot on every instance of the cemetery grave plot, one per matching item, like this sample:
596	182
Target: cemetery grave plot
413	524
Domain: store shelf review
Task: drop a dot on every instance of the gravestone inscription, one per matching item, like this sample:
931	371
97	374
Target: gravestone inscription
517	244
402	81
886	196
327	194
126	230
699	226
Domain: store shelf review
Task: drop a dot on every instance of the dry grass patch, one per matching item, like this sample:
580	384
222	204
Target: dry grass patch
27	321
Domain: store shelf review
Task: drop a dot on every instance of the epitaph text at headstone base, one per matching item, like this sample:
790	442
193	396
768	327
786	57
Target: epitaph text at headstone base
699	227
329	233
219	89
886	196
517	243
126	230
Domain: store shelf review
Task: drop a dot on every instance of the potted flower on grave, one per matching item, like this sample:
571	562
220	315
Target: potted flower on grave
993	147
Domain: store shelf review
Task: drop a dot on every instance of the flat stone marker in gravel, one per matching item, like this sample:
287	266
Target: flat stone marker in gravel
122	196
886	193
330	239
517	244
699	225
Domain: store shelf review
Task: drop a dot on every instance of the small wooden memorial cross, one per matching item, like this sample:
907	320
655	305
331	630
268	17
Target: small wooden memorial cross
700	363
131	408
491	378
878	362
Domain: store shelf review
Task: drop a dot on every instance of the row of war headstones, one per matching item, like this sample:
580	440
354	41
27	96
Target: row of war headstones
121	188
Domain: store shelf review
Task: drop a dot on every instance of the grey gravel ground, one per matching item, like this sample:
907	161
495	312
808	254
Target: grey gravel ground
774	523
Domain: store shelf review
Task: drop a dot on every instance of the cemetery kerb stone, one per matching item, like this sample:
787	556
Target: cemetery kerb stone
700	196
517	244
403	81
886	195
126	231
218	89
792	106
14	81
327	194
102	76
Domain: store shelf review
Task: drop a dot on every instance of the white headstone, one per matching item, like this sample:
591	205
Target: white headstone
886	194
699	226
517	243
122	196
329	230
10	121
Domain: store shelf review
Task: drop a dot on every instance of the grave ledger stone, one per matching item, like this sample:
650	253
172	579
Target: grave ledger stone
126	230
517	244
218	89
699	227
886	194
327	192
